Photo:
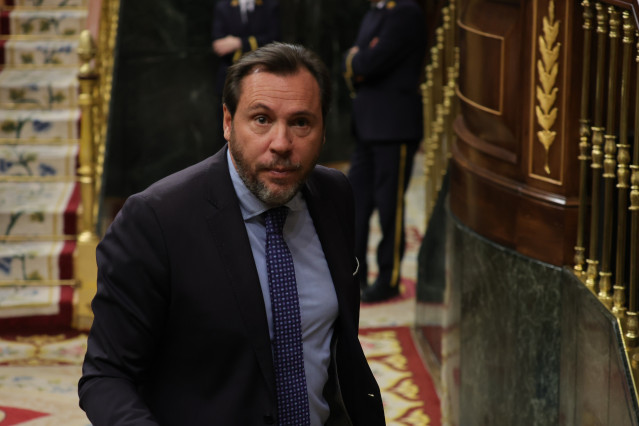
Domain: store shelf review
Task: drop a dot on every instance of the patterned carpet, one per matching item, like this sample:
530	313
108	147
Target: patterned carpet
39	374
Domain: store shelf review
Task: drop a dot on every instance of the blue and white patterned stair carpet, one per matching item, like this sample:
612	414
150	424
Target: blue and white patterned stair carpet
39	196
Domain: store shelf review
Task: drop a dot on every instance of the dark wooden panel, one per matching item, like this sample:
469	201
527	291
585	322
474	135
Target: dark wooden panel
490	70
504	185
535	223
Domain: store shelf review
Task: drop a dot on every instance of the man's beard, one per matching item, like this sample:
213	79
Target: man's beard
257	186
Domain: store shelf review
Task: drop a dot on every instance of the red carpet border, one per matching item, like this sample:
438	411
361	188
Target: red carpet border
408	391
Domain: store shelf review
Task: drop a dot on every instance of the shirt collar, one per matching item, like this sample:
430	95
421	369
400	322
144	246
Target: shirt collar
250	205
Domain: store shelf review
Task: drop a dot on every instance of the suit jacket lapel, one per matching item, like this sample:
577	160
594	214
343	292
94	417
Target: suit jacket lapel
229	235
334	244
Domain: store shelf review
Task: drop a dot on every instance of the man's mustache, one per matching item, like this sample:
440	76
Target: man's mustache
280	164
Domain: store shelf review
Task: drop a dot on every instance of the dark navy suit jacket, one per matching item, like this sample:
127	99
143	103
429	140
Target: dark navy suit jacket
261	28
180	335
385	74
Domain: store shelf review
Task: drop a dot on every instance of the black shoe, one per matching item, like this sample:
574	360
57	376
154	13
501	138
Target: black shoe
379	292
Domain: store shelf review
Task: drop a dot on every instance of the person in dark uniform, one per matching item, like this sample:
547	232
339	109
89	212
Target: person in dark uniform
383	71
241	26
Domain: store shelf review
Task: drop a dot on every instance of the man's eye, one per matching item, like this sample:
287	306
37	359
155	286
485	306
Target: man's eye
301	122
261	119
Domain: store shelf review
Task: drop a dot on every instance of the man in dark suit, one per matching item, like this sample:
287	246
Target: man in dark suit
241	26
186	330
383	70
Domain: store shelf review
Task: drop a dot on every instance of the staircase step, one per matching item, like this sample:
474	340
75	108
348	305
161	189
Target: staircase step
38	160
39	124
32	209
34	261
44	310
31	53
27	304
44	23
47	3
39	88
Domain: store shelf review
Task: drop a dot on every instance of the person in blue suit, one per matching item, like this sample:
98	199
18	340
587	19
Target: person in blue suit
382	71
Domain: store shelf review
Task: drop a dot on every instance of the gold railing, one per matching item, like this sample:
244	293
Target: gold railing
438	95
606	252
95	77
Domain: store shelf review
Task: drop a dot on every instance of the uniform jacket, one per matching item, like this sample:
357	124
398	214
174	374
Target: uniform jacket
261	28
384	74
180	335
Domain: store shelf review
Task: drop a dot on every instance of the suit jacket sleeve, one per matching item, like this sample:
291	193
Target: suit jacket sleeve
396	40
220	21
130	309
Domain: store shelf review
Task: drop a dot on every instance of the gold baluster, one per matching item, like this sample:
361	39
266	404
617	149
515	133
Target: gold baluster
84	258
632	321
584	136
428	131
451	111
597	142
438	128
610	163
623	176
446	48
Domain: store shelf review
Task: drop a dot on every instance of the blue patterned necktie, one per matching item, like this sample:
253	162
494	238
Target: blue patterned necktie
290	380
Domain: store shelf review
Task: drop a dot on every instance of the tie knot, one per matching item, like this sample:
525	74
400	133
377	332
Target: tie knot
275	219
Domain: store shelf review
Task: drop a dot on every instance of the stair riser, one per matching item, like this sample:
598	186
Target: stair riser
35	260
34	160
58	124
38	209
40	53
47	3
39	23
43	97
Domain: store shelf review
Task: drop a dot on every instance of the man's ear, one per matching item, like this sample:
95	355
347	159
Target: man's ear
227	122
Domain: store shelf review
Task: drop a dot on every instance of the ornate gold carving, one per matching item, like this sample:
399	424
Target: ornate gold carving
605	283
597	142
591	274
623	157
610	151
587	14
634	188
619	299
580	258
632	332
584	136
548	68
602	24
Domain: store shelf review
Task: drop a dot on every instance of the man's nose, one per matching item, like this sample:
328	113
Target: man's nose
281	141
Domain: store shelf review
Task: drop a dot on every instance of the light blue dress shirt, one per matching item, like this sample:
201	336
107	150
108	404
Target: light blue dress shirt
318	301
